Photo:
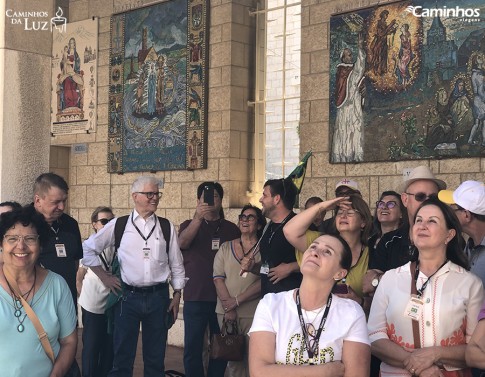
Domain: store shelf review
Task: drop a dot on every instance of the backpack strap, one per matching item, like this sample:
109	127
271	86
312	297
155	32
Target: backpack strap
165	225
119	230
121	225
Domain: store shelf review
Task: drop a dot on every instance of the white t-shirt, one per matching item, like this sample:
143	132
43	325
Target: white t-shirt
277	313
94	293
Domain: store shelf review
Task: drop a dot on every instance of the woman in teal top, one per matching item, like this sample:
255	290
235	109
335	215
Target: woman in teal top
21	233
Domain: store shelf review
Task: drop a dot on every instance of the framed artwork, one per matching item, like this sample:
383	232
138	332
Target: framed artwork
74	78
407	81
158	88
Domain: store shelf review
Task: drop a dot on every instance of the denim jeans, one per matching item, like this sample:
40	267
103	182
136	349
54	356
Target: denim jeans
149	309
197	316
97	354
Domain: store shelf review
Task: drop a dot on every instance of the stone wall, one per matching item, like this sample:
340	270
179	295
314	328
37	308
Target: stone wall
230	121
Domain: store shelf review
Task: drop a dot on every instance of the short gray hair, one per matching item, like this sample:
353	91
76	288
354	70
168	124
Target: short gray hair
140	182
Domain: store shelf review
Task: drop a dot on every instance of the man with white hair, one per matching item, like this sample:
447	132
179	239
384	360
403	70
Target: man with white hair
149	257
468	202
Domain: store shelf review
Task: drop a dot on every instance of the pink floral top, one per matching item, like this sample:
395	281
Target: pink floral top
451	303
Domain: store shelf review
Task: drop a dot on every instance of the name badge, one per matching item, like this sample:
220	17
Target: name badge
146	253
61	250
414	308
264	269
215	244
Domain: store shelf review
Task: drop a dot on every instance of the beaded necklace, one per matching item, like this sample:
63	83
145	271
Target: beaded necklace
17	304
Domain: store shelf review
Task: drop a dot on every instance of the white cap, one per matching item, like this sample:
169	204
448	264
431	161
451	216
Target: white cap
469	195
347	183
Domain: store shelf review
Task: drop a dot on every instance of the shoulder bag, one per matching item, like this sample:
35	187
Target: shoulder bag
229	345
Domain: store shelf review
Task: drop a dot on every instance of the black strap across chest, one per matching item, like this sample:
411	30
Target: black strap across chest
121	225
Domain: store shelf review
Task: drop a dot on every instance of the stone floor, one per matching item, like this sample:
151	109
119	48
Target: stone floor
173	357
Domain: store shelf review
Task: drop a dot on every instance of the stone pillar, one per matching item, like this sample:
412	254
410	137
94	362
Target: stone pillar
25	69
231	120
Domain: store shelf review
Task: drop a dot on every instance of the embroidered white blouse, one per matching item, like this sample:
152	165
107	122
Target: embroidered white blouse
451	303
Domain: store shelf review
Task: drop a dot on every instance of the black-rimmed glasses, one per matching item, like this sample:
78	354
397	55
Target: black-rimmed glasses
150	194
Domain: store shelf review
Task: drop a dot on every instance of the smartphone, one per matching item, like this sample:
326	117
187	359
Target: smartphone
209	195
340	289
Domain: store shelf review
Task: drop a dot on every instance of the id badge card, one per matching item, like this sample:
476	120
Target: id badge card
414	308
264	269
61	250
146	253
215	244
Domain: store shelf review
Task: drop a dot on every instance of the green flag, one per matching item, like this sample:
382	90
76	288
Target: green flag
298	174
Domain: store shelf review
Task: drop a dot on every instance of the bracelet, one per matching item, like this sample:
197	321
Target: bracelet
237	302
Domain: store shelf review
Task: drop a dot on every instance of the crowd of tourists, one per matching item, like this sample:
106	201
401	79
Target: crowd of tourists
333	290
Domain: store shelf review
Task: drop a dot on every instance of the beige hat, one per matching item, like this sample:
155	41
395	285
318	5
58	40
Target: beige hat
421	173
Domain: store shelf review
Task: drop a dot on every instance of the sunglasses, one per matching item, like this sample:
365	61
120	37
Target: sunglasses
247	217
346	192
386	205
103	221
419	196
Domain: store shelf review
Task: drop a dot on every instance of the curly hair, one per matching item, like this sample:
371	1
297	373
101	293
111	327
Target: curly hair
27	216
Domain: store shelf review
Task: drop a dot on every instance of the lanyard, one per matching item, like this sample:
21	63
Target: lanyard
416	273
56	231
245	253
217	229
312	349
278	228
140	233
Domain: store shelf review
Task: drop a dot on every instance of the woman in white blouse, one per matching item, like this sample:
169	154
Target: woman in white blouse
309	331
444	306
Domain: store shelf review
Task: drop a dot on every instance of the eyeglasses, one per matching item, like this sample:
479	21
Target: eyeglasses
105	221
458	208
346	192
150	194
29	239
386	205
247	217
419	196
313	341
347	212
